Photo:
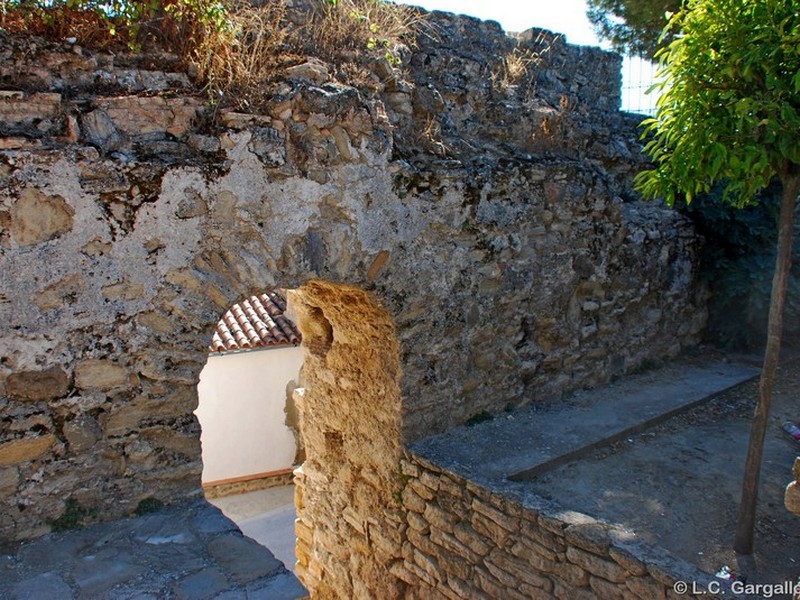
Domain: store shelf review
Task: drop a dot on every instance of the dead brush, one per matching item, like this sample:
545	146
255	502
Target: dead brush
237	59
514	69
359	27
431	139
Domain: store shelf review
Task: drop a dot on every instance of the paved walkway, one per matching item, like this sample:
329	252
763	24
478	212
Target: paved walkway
190	552
267	516
534	439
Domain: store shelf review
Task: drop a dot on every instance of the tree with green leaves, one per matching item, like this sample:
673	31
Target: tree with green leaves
632	26
729	114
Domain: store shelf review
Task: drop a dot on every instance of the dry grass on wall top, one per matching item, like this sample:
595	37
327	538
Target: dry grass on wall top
260	42
237	48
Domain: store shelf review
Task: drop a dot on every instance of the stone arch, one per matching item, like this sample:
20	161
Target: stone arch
350	422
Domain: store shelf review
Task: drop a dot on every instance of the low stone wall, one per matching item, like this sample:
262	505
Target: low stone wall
466	540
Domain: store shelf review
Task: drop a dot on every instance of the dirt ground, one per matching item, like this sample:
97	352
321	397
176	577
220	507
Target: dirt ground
678	485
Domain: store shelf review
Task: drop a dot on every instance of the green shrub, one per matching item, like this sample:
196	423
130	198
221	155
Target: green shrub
72	517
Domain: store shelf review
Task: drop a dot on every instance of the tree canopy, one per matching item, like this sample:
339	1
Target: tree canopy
729	114
632	26
729	109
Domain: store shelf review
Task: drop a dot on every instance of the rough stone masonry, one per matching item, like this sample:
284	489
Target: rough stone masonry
457	242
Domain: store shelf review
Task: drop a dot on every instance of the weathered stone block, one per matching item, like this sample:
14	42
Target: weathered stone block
81	433
571	574
422	542
399	570
628	561
466	589
100	374
303	532
791	498
421	574
489	584
61	293
155	321
454	564
445	540
605	589
440	519
505	521
645	588
123	291
538	557
37	217
519	569
429	480
99	129
420	489
592	537
467	536
412	501
535	593
409	469
568	592
168	439
449	486
49	384
135	115
181	402
552	524
16	109
595	565
544	538
488	528
24	450
9	479
415	521
427	565
506	579
455	505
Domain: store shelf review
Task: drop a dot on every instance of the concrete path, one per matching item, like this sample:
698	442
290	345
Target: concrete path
267	516
190	552
533	439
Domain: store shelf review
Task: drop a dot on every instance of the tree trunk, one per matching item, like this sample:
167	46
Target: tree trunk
790	179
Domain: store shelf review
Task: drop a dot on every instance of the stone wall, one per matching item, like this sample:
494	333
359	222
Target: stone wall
477	228
466	540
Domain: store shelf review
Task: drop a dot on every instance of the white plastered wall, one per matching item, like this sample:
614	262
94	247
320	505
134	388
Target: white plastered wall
242	412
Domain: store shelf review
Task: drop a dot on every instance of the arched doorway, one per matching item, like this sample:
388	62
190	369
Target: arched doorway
249	426
349	406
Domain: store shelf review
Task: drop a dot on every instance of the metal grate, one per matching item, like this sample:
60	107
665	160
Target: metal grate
638	75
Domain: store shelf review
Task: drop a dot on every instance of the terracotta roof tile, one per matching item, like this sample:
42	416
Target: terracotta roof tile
255	322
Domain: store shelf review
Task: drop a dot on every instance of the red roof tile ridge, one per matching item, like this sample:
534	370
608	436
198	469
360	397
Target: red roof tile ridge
255	322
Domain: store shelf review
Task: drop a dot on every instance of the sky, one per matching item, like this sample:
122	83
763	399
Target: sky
562	16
